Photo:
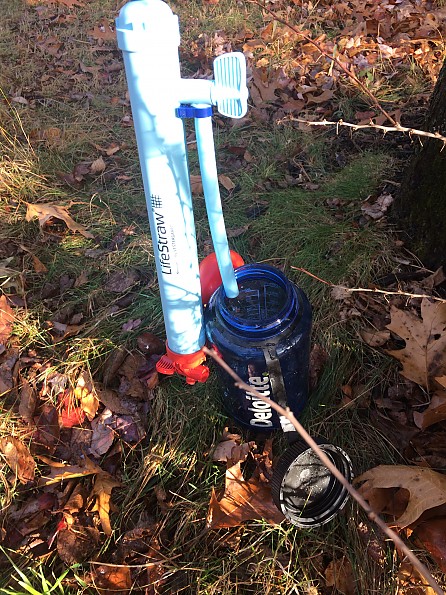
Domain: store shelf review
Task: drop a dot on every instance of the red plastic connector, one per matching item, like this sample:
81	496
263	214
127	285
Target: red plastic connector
188	365
210	277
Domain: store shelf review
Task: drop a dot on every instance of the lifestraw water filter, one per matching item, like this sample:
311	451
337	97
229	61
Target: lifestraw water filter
258	320
148	35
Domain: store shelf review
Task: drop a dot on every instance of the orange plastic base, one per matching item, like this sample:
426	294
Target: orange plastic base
188	365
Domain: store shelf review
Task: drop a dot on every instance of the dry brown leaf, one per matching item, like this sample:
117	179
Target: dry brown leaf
230	450
8	370
427	488
60	471
82	279
102	489
6	319
98	166
196	185
237	231
340	293
45	211
77	543
28	400
104	31
86	396
242	501
434	413
19	458
424	356
441	380
432	535
411	581
226	182
433	280
339	574
112	579
374	338
102	434
38	265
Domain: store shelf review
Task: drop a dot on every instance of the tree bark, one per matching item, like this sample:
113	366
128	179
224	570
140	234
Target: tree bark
420	204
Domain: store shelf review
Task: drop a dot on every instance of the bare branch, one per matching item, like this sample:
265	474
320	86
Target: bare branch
367	290
333	469
385	129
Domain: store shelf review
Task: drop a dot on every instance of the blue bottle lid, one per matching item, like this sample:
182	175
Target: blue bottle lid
266	301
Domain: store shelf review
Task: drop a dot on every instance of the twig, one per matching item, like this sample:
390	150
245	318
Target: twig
333	469
331	57
396	128
367	290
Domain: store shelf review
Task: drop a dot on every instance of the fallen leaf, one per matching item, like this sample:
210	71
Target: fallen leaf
28	400
427	488
98	166
441	381
424	356
196	185
434	413
8	370
60	471
77	500
340	293
432	536
38	265
103	31
112	579
150	344
437	278
85	394
374	338
242	501
238	231
339	574
77	543
45	211
122	280
111	400
226	182
63	331
81	280
230	449
411	582
70	414
131	325
47	432
102	434
19	458
102	489
6	319
377	209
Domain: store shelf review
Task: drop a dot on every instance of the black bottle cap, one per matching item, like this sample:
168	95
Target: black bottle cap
304	490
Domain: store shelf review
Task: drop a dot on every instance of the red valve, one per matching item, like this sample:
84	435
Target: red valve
188	365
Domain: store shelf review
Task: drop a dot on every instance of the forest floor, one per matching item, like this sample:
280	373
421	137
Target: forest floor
113	479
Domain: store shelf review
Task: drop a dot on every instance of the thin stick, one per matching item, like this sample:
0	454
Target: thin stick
326	461
366	290
396	128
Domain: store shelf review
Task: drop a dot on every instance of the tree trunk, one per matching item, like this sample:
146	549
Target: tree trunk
420	204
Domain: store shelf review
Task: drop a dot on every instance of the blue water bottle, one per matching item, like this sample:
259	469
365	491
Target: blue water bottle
264	336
